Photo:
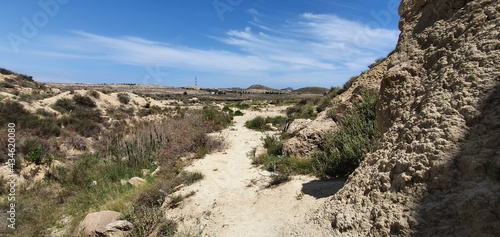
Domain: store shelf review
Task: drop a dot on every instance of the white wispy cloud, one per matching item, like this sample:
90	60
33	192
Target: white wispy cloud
253	11
313	44
321	41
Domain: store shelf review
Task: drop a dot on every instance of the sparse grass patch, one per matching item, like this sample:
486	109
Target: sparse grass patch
296	165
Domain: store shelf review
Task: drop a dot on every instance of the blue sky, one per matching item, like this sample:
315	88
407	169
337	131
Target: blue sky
224	43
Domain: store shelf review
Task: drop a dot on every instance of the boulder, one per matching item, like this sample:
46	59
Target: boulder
96	222
308	134
297	125
136	181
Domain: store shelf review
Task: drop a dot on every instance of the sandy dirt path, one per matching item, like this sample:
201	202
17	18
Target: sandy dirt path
232	199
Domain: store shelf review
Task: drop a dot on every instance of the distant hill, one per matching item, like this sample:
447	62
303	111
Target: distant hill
259	87
312	90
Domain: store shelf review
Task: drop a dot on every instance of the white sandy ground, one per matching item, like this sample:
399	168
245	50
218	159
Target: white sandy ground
232	199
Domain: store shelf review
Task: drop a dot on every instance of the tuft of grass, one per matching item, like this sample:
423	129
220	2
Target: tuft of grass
175	200
279	178
149	221
191	177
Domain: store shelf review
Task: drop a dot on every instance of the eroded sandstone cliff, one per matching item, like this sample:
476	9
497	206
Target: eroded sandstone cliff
436	171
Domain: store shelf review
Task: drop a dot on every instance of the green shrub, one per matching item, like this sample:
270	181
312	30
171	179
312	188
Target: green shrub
305	109
147	220
341	152
64	105
215	118
13	112
238	113
227	109
256	123
84	101
94	94
242	106
33	151
123	98
259	123
6	72
45	113
273	144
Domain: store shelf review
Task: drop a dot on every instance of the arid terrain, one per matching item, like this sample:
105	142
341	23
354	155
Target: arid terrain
410	147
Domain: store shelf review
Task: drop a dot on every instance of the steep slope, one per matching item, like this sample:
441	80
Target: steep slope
436	170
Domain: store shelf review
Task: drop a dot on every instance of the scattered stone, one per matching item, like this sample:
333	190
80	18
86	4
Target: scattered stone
145	172
265	173
136	181
119	228
155	172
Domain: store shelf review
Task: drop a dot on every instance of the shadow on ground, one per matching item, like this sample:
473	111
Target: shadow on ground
323	188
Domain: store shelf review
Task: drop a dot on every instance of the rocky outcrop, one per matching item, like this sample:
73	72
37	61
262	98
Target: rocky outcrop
436	170
307	135
95	223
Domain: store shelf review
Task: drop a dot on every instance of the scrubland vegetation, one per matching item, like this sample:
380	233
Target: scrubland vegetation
113	146
97	180
339	152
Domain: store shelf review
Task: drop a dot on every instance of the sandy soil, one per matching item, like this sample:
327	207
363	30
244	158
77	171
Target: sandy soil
232	199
